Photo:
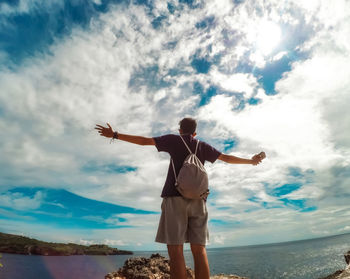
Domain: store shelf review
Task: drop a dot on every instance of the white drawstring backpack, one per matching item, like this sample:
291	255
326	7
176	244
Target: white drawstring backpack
192	180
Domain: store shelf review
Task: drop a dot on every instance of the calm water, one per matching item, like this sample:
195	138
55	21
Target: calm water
306	259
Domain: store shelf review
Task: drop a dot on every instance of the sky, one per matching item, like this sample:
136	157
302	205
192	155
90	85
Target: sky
257	75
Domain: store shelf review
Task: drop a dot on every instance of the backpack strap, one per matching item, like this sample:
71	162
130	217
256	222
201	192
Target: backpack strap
172	162
189	150
195	153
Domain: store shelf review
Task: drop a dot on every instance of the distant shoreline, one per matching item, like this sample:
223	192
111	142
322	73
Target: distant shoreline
284	242
253	245
16	244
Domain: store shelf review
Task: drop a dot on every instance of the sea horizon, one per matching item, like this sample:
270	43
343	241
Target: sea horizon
186	245
312	259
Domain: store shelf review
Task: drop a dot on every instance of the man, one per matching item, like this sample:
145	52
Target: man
182	220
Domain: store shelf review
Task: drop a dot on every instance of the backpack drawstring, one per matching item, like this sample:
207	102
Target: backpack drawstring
189	150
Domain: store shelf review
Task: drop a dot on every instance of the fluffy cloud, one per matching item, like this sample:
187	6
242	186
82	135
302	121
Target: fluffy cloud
302	126
26	6
19	201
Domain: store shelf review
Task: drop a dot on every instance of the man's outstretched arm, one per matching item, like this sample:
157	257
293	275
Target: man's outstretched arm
109	133
256	159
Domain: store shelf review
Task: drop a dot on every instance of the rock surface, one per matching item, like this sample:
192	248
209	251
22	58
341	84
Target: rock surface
155	267
341	274
347	257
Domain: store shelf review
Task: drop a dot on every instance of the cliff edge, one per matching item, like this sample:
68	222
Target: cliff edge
344	273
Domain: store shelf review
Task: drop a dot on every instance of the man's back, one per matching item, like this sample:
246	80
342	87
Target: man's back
178	151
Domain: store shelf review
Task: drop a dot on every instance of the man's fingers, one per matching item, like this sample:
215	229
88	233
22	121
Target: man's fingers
256	159
262	155
104	131
100	127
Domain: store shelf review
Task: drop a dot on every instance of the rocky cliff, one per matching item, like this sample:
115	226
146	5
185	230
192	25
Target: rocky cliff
16	244
341	274
155	267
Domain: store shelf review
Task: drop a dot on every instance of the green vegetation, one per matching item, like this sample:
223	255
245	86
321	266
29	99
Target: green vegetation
16	244
1	263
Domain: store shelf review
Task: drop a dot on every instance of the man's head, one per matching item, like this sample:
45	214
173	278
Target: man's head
188	126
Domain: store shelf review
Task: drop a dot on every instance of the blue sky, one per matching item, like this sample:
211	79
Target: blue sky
257	75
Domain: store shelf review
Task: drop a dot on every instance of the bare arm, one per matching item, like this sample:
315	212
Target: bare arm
255	160
108	133
136	139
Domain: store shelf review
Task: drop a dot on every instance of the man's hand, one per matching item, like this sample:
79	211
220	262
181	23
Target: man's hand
258	158
109	133
104	131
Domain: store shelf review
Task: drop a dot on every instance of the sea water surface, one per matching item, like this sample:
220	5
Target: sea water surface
306	259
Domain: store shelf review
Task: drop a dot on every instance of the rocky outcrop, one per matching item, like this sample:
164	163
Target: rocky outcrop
155	267
341	274
347	257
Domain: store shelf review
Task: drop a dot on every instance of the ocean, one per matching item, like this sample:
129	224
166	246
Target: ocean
305	259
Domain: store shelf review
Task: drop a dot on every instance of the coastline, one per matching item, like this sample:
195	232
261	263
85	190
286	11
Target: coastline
157	266
15	244
244	261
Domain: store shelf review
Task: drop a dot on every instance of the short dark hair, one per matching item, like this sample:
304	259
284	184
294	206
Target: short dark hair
188	125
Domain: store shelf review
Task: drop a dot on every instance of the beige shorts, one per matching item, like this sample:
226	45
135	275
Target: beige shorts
183	220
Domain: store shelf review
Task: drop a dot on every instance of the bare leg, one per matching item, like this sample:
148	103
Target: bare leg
201	265
177	262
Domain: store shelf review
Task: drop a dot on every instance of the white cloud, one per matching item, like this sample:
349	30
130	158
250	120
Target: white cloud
10	214
97	2
279	55
137	220
243	83
27	6
304	125
109	242
54	103
86	242
18	201
113	242
218	239
345	229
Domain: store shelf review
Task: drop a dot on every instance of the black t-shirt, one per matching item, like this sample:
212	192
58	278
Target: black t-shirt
178	152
